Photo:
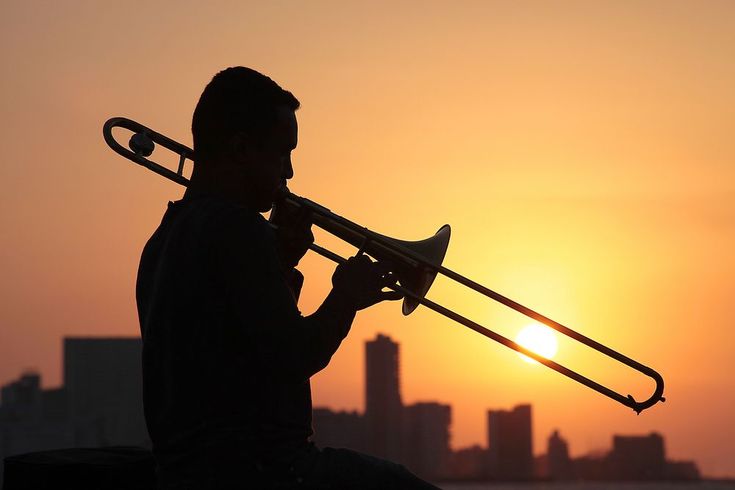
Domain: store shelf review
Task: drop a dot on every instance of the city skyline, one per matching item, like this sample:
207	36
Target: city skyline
100	404
419	435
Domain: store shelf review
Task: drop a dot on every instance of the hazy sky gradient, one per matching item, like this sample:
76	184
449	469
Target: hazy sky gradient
582	151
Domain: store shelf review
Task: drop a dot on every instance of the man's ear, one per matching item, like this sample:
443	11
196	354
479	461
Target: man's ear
240	148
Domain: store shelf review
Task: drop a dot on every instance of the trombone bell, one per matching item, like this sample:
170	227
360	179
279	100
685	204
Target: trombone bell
419	279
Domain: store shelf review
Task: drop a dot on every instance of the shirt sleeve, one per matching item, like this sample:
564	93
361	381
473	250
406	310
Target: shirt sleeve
262	298
295	281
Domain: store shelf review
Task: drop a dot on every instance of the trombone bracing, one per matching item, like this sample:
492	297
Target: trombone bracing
416	262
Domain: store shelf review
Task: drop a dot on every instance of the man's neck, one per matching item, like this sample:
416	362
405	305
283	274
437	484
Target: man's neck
221	181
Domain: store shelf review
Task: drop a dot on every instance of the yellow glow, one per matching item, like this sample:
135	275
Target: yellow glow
539	339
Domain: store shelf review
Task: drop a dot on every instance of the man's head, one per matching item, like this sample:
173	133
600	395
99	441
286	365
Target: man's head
244	128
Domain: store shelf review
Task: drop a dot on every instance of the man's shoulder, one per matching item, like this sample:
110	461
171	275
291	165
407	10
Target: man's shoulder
220	214
226	223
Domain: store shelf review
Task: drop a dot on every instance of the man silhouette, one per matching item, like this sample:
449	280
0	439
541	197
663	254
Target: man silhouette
227	356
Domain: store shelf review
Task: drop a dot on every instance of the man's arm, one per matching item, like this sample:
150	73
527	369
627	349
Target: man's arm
255	288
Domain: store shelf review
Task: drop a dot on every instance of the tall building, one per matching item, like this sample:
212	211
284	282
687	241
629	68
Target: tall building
103	382
510	444
559	463
383	406
426	444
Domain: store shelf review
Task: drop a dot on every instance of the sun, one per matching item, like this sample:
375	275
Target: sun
539	339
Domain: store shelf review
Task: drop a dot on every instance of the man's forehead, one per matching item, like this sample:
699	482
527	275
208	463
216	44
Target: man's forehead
287	126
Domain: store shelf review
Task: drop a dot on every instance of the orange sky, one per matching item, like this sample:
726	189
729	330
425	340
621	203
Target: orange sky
581	151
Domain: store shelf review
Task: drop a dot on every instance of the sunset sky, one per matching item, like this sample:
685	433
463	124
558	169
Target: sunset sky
583	153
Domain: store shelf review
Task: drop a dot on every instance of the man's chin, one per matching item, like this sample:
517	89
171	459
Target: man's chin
280	193
265	204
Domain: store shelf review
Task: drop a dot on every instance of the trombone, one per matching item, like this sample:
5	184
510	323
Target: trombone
417	263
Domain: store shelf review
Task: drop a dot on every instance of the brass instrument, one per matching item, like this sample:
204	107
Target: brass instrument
417	263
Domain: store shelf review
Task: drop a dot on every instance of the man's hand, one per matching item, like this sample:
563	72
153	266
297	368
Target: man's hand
359	282
293	233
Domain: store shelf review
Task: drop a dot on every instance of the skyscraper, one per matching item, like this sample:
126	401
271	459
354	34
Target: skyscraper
560	466
383	406
510	444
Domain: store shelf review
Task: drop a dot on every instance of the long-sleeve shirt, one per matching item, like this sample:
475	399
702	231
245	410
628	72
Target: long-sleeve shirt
227	356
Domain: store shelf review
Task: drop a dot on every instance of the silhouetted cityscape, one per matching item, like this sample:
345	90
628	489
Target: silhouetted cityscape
100	404
418	435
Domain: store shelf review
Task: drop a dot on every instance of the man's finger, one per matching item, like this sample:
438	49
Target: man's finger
390	295
384	266
362	259
389	279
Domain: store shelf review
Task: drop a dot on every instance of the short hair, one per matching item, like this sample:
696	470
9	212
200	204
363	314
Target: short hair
237	99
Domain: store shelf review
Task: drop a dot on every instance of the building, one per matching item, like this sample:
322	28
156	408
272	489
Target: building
383	405
338	429
558	463
634	458
21	399
682	471
32	419
592	467
469	464
510	444
426	444
638	457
